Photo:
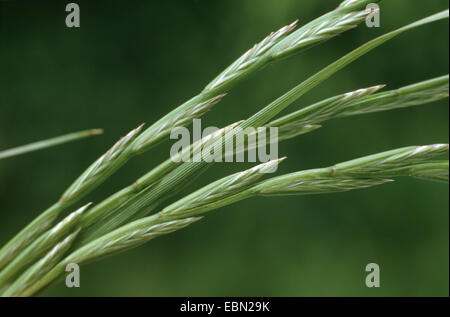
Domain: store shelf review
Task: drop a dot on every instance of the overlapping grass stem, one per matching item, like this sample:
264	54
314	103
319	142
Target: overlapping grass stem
37	256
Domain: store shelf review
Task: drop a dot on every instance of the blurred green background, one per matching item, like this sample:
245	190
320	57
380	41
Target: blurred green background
130	63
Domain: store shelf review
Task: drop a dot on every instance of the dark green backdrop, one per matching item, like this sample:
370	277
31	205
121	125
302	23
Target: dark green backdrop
132	62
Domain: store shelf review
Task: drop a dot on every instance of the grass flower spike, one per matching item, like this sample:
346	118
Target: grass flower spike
166	199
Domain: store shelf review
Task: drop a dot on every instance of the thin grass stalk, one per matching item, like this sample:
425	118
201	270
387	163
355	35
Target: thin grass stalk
40	145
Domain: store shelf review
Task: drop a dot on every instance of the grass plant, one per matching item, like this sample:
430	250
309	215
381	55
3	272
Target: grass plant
37	256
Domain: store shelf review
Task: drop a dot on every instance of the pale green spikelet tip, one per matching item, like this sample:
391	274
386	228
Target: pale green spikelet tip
95	131
433	148
269	166
250	57
348	3
70	219
363	92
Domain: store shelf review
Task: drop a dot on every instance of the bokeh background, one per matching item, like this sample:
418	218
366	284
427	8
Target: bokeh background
132	62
